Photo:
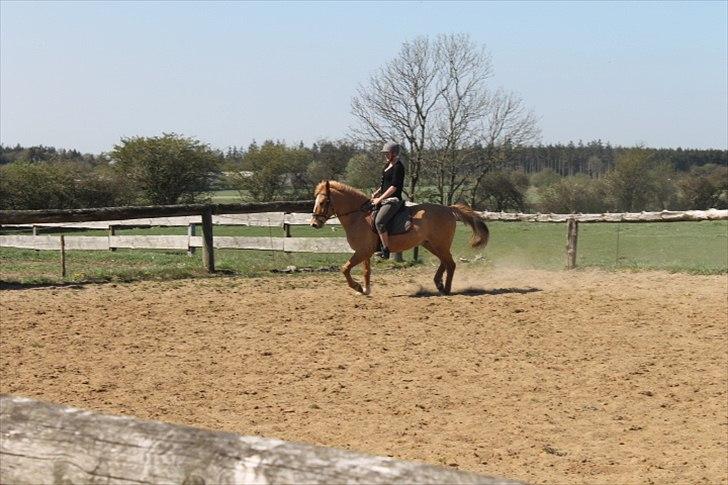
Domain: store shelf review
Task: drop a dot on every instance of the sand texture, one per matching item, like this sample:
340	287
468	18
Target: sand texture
548	377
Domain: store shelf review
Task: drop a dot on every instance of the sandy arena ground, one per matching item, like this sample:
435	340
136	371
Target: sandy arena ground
549	377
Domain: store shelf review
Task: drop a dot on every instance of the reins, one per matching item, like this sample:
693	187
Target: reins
365	207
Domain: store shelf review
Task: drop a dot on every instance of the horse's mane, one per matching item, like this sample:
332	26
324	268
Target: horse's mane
341	187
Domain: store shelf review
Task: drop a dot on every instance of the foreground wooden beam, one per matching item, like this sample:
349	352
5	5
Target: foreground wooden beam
46	443
112	213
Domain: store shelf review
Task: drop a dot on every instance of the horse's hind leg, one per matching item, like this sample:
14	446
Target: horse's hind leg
438	277
450	267
445	259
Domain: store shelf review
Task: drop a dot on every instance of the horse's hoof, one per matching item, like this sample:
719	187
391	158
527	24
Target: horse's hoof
367	290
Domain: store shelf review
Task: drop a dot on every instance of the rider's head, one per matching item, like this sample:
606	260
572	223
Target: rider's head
391	149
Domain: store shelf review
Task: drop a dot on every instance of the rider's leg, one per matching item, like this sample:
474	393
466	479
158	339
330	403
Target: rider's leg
386	212
384	236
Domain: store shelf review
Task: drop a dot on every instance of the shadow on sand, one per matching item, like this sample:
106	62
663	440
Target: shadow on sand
423	293
6	285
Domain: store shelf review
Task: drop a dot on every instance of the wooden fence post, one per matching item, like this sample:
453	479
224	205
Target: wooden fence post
191	229
112	232
287	229
208	251
63	256
35	233
572	233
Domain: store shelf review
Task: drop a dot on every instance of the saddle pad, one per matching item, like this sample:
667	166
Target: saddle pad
399	224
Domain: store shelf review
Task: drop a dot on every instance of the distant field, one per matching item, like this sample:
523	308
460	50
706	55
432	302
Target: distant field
226	197
693	247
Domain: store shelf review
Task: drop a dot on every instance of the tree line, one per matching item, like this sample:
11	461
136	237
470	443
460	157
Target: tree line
172	169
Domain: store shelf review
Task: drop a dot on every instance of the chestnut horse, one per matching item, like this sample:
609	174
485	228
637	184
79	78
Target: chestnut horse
433	226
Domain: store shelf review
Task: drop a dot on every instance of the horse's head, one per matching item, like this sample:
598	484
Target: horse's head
322	208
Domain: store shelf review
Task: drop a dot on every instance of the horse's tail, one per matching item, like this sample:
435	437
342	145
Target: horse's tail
464	213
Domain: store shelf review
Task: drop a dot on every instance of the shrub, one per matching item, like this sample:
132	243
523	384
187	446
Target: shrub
574	194
59	185
705	188
500	191
168	169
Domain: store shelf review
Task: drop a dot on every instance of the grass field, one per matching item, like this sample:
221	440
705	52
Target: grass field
693	247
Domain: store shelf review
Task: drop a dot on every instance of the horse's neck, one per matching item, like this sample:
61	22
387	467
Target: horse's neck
347	205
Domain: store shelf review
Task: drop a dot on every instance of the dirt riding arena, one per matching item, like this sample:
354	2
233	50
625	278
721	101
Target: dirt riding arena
548	377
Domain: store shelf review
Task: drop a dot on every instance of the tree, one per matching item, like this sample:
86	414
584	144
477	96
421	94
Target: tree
509	125
574	194
466	67
705	187
274	171
168	169
433	96
363	171
631	180
500	191
329	160
54	185
399	102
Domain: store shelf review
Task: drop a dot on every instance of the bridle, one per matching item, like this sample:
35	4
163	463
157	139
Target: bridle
324	209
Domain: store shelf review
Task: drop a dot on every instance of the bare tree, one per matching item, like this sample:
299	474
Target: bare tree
434	96
399	101
508	124
466	68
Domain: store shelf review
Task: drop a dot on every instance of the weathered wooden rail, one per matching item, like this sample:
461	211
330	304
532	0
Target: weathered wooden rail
205	211
111	242
275	214
46	443
657	216
112	213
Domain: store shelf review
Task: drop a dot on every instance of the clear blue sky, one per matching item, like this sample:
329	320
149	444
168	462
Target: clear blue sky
84	74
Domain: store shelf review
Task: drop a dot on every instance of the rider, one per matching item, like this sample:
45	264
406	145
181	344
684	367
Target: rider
388	198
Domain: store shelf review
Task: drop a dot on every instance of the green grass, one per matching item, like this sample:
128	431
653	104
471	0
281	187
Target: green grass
226	197
693	247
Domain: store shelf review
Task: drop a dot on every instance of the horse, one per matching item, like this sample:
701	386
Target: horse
433	226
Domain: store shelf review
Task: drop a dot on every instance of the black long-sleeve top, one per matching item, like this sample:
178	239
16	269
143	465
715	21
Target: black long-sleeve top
394	176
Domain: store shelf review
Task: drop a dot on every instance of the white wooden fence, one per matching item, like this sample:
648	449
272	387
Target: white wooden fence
297	244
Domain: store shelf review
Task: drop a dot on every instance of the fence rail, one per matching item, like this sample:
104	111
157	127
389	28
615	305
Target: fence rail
272	214
661	216
264	219
112	213
47	443
100	243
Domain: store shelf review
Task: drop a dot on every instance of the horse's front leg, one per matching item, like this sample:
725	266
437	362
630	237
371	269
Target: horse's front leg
367	275
356	258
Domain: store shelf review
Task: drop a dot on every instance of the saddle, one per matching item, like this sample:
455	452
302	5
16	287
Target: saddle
400	223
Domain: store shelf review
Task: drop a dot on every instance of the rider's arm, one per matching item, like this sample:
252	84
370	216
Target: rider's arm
392	189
